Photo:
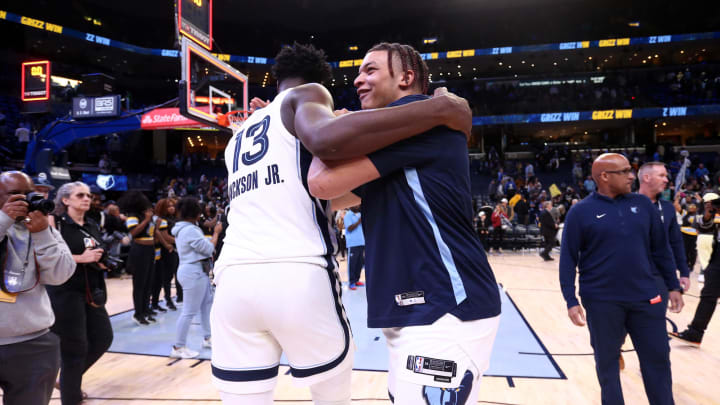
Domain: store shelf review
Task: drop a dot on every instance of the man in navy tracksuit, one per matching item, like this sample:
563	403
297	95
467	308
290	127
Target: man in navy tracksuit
615	239
653	180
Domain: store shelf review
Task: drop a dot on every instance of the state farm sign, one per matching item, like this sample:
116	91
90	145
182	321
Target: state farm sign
167	118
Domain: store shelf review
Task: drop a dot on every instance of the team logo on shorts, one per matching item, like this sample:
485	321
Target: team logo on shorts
450	396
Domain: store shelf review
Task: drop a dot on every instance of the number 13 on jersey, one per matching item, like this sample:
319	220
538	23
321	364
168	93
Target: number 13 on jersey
258	133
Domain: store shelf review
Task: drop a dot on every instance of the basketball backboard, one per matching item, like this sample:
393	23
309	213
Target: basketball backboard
209	86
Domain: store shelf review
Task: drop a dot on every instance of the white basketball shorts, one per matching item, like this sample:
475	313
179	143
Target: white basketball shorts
441	363
261	310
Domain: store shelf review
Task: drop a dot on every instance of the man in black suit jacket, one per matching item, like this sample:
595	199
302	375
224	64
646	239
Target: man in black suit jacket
549	229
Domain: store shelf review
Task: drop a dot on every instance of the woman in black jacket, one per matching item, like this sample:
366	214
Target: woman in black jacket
81	321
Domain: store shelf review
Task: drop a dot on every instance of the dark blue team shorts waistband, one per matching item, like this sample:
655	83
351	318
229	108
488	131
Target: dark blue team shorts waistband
246	375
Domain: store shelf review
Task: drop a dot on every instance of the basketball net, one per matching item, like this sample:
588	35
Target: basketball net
232	119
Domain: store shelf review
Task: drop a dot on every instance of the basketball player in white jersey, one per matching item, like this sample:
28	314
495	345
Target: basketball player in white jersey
277	283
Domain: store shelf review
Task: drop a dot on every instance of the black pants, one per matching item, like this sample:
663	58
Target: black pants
165	269
341	244
608	323
690	242
484	240
141	260
498	234
85	335
356	261
548	244
708	299
178	286
28	370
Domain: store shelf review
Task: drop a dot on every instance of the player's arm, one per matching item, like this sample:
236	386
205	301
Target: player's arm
330	180
348	200
359	133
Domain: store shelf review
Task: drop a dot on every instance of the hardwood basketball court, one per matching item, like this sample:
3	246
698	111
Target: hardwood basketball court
532	285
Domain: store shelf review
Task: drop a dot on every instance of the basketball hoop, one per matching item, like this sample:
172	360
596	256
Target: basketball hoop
232	119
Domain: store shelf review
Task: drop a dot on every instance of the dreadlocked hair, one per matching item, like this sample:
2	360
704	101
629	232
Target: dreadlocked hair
302	61
410	59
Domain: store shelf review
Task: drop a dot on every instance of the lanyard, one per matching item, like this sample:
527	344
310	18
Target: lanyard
662	216
15	277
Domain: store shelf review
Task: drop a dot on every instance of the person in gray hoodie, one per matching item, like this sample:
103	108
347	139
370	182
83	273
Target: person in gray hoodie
195	252
32	255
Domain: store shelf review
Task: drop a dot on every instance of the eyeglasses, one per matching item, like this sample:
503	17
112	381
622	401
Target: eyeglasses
623	171
83	195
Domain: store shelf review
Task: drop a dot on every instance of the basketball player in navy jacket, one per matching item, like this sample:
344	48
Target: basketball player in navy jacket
429	284
615	239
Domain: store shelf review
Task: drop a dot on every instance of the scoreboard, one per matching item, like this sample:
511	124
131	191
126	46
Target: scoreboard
35	83
195	21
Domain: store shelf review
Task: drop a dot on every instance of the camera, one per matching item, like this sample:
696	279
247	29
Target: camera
37	202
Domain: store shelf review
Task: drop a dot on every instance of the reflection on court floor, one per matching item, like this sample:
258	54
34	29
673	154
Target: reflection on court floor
517	352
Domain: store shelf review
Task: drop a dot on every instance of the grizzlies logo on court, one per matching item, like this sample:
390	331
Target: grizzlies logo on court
449	396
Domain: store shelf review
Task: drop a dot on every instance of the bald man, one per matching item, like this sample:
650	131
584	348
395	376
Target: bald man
615	239
26	342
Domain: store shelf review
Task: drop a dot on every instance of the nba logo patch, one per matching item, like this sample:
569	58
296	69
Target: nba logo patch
418	364
89	243
634	210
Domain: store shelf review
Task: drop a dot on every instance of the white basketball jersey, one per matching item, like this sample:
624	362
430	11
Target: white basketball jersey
272	216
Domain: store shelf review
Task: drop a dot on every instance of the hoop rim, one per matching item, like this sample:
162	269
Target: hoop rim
231	118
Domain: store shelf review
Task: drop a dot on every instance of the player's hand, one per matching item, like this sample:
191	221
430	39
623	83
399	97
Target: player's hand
685	283
676	301
37	221
218	228
257	103
577	315
341	112
456	110
90	256
148	214
16	207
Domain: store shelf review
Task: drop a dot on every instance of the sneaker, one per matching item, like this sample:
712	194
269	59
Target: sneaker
140	321
183	353
158	308
353	286
689	335
171	306
151	319
360	284
152	313
207	343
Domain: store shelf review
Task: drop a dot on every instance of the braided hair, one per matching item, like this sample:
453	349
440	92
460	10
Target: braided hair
410	59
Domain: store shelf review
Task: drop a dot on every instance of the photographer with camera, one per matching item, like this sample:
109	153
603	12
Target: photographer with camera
32	255
711	290
82	323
